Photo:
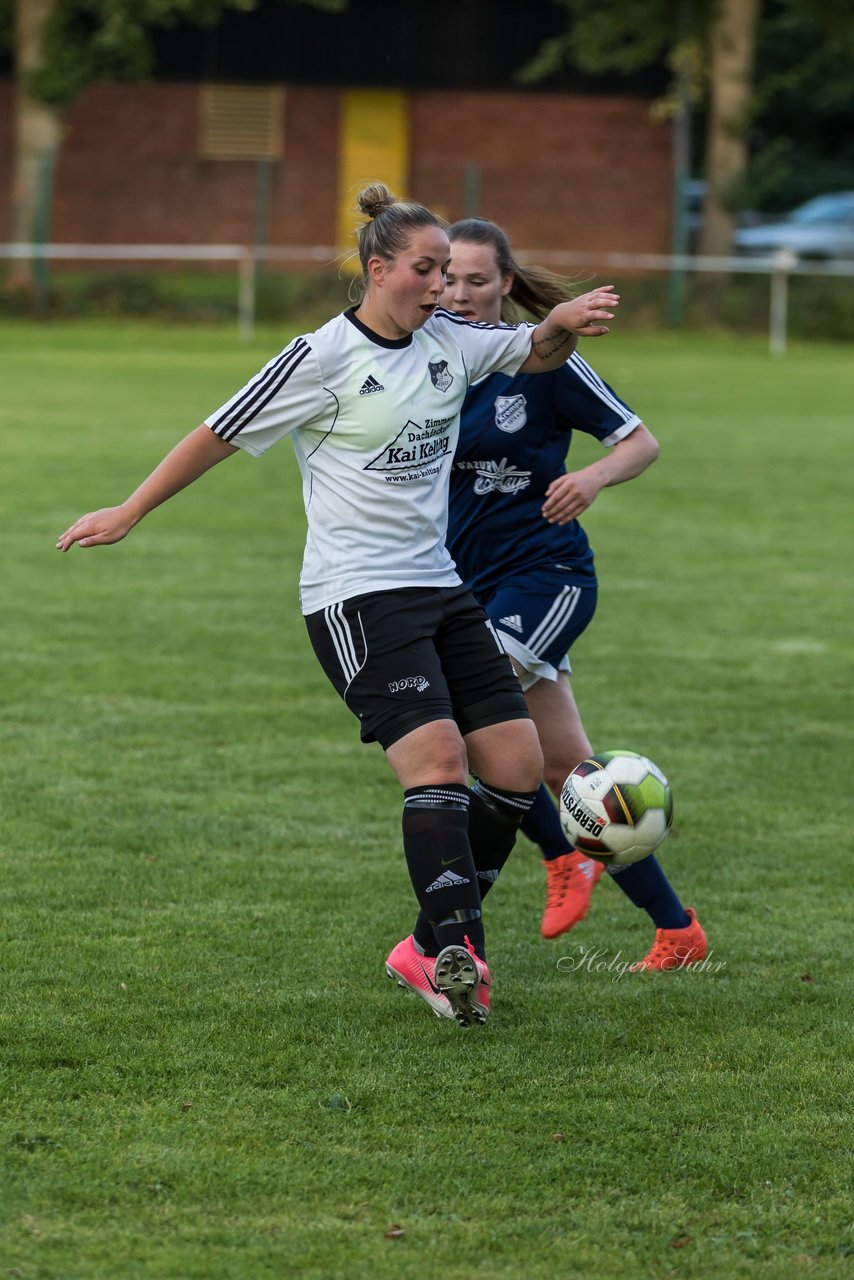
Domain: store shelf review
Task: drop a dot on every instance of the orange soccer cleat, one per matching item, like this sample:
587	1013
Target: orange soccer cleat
675	948
570	880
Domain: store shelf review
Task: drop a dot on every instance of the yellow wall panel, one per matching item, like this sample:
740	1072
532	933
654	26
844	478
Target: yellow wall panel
373	147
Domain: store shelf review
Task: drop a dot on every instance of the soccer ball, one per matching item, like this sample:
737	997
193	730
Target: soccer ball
616	806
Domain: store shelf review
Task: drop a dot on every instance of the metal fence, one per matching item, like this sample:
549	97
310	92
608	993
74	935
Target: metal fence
779	268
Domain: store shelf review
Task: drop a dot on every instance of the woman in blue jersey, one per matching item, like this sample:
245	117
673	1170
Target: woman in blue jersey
514	535
371	402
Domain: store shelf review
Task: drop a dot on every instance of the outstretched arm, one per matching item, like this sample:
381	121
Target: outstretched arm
555	338
191	458
568	496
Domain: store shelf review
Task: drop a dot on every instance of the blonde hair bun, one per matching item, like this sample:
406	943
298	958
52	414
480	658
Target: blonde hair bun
375	199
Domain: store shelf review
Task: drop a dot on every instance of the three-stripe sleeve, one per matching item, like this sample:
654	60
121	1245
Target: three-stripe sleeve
584	399
244	407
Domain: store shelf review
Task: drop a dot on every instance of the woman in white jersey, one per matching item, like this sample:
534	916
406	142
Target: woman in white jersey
371	402
516	540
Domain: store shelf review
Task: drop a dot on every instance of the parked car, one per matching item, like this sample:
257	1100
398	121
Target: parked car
693	200
822	228
694	208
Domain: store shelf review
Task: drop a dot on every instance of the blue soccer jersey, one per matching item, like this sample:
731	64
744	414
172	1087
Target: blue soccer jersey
514	438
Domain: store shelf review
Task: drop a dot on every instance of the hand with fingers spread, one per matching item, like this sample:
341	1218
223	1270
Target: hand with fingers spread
584	314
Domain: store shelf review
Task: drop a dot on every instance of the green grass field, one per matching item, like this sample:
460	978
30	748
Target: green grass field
205	1073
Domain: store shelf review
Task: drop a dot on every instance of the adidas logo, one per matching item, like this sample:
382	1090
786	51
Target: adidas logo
447	880
514	620
370	385
489	876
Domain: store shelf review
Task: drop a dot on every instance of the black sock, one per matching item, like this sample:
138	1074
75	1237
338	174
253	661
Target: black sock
441	867
493	821
541	824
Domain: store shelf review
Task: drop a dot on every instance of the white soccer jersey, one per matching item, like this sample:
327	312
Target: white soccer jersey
374	423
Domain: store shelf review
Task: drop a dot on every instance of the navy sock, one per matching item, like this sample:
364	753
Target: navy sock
441	867
541	824
645	884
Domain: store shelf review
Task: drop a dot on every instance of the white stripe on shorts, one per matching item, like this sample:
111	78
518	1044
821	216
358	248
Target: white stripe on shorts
342	640
555	620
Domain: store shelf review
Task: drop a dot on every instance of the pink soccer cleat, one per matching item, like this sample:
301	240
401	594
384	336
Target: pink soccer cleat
415	971
465	980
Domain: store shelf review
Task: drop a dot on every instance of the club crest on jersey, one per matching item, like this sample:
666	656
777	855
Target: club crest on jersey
439	374
510	413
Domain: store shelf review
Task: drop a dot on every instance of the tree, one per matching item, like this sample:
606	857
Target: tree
731	45
60	46
709	47
801	134
37	133
772	78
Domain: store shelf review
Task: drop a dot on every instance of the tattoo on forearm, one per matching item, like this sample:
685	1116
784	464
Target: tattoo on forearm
552	343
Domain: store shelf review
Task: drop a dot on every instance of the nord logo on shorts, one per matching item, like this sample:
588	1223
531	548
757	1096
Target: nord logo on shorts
419	683
510	413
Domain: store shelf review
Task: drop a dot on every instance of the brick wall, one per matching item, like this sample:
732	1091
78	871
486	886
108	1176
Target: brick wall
130	170
558	171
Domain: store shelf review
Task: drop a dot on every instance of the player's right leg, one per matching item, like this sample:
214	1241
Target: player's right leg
570	876
430	763
503	753
378	651
538	615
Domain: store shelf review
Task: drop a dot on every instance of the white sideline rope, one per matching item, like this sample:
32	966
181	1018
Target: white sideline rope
778	267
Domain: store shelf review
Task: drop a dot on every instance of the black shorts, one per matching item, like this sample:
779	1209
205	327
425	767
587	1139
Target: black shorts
403	658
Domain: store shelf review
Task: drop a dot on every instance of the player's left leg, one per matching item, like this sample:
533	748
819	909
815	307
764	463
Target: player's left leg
571	876
679	937
676	948
505	760
538	617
